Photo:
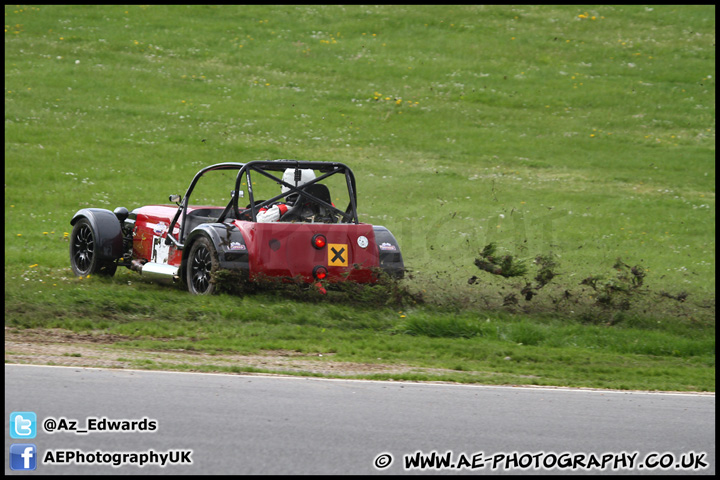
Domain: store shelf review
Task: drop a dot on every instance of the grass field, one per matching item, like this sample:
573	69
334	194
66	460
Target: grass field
578	135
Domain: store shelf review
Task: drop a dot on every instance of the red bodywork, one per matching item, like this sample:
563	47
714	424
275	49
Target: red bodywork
151	224
274	249
286	250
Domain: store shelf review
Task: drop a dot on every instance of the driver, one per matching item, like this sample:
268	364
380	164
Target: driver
273	213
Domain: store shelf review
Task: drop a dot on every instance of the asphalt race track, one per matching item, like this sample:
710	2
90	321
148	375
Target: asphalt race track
252	424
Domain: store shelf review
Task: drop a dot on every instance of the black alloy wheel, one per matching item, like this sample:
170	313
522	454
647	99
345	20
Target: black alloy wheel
84	258
202	264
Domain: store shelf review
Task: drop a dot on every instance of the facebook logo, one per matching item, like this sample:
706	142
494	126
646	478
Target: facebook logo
23	425
23	456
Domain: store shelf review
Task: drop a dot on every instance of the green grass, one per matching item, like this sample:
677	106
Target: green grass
582	134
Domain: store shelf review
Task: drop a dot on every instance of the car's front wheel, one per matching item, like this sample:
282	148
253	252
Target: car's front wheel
84	251
202	263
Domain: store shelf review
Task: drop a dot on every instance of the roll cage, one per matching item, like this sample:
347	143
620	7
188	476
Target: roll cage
264	167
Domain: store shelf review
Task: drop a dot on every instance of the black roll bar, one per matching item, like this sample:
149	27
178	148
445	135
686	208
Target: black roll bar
262	167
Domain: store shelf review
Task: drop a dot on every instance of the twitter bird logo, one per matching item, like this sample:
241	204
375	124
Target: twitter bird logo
23	425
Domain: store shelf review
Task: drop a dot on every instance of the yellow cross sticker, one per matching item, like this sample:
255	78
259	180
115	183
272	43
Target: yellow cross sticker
337	254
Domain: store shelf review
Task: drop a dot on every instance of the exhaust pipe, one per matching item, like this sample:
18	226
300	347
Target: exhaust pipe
156	272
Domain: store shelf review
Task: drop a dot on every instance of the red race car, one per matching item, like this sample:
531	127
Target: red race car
297	233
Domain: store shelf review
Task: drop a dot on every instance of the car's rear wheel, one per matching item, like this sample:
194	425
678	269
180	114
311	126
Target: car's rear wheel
201	266
84	252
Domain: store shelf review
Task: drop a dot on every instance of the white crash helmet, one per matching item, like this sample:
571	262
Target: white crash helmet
306	175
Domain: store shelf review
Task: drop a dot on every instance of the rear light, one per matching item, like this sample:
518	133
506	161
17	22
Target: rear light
319	241
320	272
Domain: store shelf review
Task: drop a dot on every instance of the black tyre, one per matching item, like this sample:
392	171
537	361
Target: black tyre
202	264
84	252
